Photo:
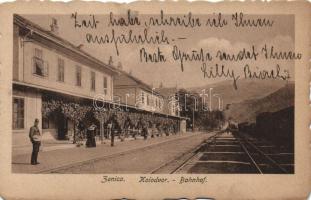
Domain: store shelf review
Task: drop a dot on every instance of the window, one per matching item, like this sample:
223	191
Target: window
61	70
54	21
38	53
117	99
49	122
45	123
78	76
148	100
142	98
39	66
93	81
18	113
105	85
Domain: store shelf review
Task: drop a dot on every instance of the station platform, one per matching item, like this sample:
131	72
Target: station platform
55	156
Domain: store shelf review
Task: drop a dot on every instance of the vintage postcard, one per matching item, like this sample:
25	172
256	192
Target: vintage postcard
155	100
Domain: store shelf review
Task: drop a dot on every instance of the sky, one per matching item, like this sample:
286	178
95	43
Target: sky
229	38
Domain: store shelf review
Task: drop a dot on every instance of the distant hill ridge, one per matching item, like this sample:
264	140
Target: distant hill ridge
251	98
247	110
247	89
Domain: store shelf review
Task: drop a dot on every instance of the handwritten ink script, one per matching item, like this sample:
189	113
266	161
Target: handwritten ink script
173	40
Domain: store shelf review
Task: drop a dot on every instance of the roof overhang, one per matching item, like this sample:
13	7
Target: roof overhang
123	106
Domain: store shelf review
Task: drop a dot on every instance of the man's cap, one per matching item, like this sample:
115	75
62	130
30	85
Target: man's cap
36	120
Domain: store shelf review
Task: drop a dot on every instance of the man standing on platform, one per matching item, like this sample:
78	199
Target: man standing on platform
35	138
113	129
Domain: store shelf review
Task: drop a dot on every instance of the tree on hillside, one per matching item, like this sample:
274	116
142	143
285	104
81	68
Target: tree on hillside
191	106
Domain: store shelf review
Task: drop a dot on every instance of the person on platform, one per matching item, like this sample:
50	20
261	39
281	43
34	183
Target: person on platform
91	142
109	128
114	126
145	130
35	138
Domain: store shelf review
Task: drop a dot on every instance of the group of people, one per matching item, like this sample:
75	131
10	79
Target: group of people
128	128
112	129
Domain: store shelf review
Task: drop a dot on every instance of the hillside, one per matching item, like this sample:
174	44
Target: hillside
248	109
247	89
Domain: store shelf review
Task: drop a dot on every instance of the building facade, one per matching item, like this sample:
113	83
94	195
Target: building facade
171	101
56	82
133	92
44	66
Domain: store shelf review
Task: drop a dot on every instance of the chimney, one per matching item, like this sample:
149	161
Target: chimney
119	65
54	26
80	46
161	85
110	62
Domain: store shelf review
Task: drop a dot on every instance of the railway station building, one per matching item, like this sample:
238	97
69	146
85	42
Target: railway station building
46	66
50	72
132	91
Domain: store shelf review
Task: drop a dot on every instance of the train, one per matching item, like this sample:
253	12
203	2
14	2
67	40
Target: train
276	127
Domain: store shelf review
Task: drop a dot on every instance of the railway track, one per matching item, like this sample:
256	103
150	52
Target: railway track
232	153
173	165
92	162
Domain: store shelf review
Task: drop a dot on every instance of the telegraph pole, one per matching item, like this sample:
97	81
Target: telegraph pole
193	119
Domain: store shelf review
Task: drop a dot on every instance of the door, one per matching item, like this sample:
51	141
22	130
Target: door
62	127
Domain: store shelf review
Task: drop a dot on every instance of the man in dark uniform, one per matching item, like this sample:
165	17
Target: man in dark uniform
145	130
113	129
35	138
